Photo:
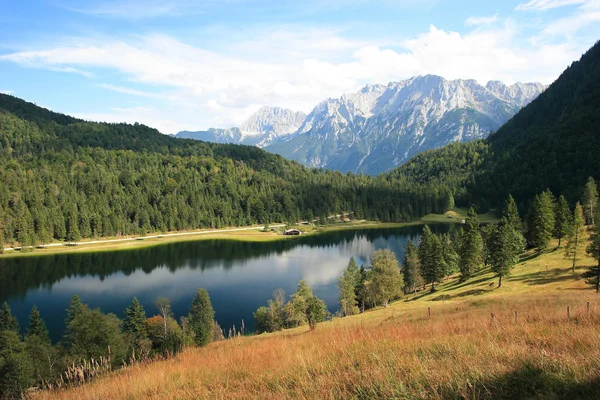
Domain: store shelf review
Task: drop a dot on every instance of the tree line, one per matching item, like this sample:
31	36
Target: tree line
94	340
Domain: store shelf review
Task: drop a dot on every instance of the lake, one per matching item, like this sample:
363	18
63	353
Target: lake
239	276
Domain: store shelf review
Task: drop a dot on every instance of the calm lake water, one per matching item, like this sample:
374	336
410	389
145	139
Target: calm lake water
239	276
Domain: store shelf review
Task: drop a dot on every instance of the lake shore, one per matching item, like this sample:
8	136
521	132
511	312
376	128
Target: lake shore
248	234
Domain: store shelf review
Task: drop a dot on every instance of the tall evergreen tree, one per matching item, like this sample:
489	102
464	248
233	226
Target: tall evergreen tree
562	218
134	323
541	224
347	285
589	201
594	247
386	279
2	241
471	251
37	326
577	238
511	213
410	268
75	308
450	255
431	258
201	318
7	320
506	245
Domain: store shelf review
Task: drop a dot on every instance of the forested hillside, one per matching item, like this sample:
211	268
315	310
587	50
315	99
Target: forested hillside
64	179
554	143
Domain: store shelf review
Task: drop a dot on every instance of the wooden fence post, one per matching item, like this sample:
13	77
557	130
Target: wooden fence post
588	307
569	312
516	316
493	316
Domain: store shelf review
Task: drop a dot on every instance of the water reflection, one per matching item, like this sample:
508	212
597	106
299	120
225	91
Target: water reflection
240	276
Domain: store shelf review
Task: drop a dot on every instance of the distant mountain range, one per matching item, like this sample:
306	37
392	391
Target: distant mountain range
381	127
268	125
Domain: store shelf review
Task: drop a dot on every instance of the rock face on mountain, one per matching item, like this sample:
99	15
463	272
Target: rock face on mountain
381	127
268	125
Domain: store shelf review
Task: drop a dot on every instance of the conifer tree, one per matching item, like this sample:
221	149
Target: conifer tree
75	308
37	326
386	279
431	258
563	218
471	251
589	201
410	268
577	237
450	255
511	213
2	242
594	247
506	246
7	320
541	225
201	318
134	323
347	284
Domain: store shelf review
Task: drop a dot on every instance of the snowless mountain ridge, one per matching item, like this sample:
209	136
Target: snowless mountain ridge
381	126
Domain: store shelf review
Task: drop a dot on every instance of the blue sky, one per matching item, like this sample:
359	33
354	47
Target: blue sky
192	65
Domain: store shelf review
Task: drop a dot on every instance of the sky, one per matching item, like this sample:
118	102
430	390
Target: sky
193	64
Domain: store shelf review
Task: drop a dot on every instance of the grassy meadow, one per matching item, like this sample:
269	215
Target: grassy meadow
478	342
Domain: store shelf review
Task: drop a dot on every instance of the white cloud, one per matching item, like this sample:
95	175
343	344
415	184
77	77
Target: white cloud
294	68
133	92
477	21
542	5
6	91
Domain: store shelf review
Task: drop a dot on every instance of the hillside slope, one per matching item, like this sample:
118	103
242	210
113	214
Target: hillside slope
551	143
460	351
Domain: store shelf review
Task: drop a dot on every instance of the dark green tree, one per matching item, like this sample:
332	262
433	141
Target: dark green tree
37	326
75	308
471	250
511	213
593	248
577	238
134	324
563	219
201	318
589	201
506	246
431	258
95	335
541	222
411	269
7	321
450	255
16	367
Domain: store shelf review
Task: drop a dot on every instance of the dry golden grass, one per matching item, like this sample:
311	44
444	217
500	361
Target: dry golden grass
398	352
